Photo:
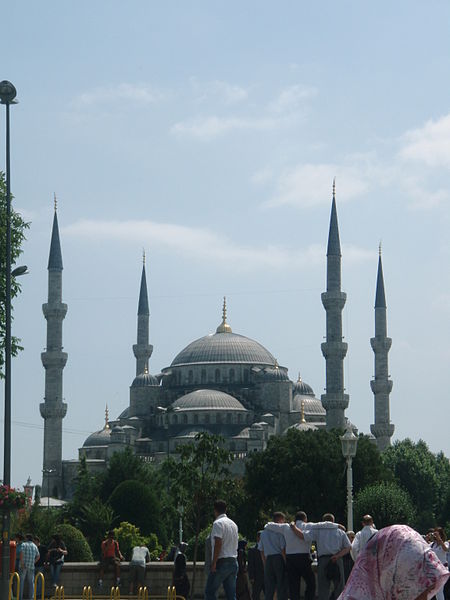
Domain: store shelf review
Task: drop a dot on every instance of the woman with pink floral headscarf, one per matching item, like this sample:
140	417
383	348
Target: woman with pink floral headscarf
396	564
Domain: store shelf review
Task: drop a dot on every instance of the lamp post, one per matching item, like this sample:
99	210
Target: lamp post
180	524
7	95
48	472
349	442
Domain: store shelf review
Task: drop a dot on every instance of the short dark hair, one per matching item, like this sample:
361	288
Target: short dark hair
367	519
111	533
301	516
328	517
36	540
29	537
277	516
220	506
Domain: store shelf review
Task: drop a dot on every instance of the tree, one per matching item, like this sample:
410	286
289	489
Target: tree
18	228
425	476
137	503
387	503
306	470
199	477
129	535
77	547
124	466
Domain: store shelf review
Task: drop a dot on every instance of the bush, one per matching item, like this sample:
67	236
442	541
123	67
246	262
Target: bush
77	547
128	536
388	504
201	544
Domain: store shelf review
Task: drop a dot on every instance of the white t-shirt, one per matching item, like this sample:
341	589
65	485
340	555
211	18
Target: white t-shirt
227	530
361	539
140	556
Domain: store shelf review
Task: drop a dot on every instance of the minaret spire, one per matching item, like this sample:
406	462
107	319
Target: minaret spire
334	350
224	327
381	385
53	409
142	349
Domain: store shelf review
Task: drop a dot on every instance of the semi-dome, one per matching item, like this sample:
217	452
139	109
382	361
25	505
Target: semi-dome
275	374
312	405
302	388
144	379
99	438
207	400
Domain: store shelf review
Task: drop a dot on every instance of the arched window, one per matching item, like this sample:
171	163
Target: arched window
207	418
203	376
195	419
219	418
232	446
185	418
239	418
229	417
246	374
231	375
191	377
217	376
179	377
175	419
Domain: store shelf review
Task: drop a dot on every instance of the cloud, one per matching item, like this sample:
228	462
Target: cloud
206	245
292	99
429	144
307	185
225	92
207	128
142	94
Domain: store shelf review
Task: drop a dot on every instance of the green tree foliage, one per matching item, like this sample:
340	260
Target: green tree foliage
306	470
41	521
77	547
425	476
18	228
96	518
198	477
129	535
138	503
124	466
388	504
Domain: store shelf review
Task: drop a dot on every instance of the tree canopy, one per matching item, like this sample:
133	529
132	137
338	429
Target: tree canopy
18	228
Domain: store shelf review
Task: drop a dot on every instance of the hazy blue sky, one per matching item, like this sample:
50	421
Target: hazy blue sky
209	133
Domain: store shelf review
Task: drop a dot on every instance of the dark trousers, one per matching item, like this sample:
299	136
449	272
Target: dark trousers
298	566
257	588
275	577
324	583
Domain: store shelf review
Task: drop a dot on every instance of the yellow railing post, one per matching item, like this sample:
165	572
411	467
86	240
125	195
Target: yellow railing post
36	579
171	592
143	593
59	592
15	576
115	593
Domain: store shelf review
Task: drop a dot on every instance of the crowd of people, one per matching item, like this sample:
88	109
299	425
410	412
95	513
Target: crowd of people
33	557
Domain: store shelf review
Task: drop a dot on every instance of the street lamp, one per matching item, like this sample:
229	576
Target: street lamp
180	524
349	442
7	97
48	472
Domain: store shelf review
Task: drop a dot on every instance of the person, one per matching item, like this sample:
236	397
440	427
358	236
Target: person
224	543
40	565
140	556
56	552
363	536
29	556
111	556
298	556
256	569
272	546
242	589
396	564
180	578
332	544
440	547
347	558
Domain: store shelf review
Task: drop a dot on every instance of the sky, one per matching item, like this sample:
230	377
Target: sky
208	133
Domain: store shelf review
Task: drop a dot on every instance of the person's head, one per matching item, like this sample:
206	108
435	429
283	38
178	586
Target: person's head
19	537
367	520
328	517
301	516
29	537
220	507
350	535
258	535
183	546
439	533
110	534
279	517
36	540
56	538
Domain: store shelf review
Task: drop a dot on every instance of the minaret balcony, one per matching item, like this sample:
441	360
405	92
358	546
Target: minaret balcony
382	429
333	299
332	401
381	386
53	411
54	311
54	359
381	344
334	349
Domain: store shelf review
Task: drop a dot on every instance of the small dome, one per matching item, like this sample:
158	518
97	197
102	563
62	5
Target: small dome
275	374
302	388
312	406
207	400
99	438
303	427
144	380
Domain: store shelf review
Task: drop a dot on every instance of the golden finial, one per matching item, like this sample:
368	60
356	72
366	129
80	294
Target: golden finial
334	188
302	412
106	418
379	249
143	256
224	327
146	369
55	201
299	380
276	364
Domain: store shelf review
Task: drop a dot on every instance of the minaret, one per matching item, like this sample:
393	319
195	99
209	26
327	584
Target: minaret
53	409
334	349
142	349
381	386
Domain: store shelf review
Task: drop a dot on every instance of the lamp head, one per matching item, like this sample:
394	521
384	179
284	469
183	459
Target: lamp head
7	92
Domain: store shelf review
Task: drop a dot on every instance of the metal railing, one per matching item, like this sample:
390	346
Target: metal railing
14	576
39	576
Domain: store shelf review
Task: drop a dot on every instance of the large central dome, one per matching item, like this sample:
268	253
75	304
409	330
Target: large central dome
224	347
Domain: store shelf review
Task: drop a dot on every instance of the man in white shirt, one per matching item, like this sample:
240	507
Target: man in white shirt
224	545
139	558
363	536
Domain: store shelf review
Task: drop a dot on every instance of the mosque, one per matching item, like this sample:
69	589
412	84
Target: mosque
224	383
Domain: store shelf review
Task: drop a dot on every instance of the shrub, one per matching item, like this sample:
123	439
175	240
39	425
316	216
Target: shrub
77	547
